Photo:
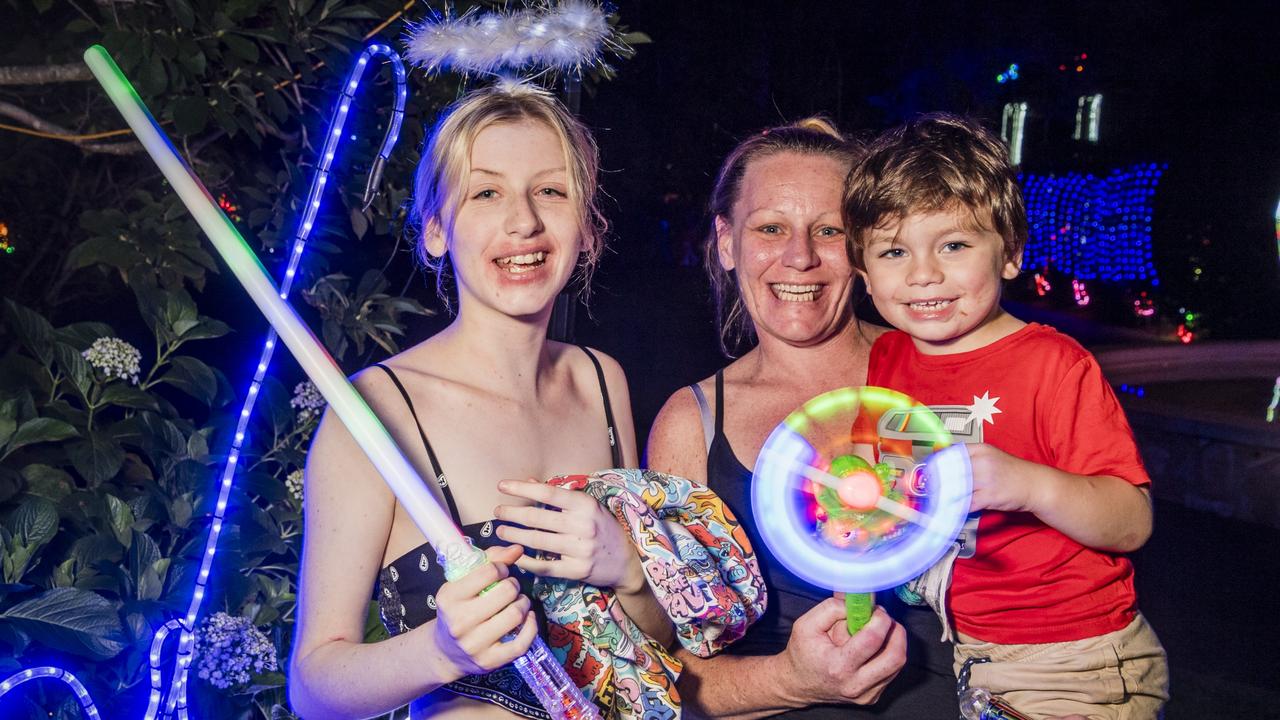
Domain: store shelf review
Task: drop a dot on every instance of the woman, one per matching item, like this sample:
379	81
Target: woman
780	274
505	195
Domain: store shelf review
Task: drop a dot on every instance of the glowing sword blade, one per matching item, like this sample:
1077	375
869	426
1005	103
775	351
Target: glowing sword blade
351	408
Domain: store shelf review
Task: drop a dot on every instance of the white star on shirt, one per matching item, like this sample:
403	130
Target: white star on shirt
984	408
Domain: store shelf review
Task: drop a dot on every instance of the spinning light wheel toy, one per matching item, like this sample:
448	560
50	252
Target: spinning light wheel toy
859	490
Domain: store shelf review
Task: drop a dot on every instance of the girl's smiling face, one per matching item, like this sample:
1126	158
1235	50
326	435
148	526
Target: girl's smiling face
515	237
786	244
937	277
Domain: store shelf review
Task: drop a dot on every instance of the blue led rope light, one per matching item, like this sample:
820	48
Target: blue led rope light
1092	228
86	702
175	700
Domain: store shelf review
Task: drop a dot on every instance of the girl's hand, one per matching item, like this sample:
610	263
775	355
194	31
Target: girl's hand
586	542
1002	481
469	627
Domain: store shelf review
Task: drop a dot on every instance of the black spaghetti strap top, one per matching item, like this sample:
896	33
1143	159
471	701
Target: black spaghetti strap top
789	596
407	586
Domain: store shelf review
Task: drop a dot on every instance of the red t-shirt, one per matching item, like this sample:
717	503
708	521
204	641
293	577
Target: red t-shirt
1037	395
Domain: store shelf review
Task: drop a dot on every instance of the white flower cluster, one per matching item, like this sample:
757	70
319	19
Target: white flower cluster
115	358
294	483
307	401
229	648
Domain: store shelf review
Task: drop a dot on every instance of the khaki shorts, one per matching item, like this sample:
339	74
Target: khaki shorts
1122	675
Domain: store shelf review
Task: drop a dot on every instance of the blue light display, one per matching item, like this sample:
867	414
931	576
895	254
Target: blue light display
1092	228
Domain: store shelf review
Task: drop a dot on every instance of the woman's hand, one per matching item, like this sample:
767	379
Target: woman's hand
469	627
586	542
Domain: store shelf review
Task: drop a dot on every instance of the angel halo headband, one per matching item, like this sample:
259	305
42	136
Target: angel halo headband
568	37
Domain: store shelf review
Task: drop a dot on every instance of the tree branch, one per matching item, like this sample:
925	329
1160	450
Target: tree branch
49	129
44	74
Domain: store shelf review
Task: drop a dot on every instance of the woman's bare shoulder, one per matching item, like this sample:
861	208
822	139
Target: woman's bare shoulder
677	441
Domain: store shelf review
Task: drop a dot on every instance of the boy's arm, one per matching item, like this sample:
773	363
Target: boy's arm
1103	512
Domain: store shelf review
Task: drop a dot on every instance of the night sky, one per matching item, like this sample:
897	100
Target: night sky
1193	87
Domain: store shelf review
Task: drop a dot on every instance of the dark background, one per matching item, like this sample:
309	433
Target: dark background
1190	86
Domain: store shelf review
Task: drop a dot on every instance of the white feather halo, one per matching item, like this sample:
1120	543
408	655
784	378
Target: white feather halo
569	35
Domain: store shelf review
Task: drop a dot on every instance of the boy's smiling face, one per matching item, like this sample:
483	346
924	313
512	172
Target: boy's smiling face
937	275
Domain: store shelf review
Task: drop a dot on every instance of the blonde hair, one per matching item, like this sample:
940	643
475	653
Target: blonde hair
810	136
936	162
440	181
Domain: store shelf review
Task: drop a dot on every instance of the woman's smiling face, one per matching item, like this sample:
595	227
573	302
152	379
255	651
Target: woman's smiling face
515	238
786	244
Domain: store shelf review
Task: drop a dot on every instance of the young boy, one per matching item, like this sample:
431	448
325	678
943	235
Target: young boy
936	223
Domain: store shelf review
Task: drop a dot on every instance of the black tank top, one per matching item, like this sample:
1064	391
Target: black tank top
923	690
407	586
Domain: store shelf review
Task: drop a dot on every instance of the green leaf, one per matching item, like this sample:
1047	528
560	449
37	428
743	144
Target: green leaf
242	48
71	620
152	79
120	517
192	377
35	331
183	13
636	38
96	458
92	549
47	482
146	567
82	334
206	329
8	419
108	251
190	115
35	522
125	395
74	366
40	430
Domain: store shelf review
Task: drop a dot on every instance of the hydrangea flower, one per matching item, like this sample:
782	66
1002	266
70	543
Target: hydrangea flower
114	358
229	648
307	401
294	483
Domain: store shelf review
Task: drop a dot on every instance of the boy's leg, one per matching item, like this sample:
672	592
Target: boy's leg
1118	676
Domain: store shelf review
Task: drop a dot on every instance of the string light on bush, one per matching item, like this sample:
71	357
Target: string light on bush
5	246
37	673
1088	118
174	701
1012	122
1008	75
1079	292
1042	285
1143	306
1093	228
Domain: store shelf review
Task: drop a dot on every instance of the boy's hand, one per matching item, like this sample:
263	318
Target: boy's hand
1002	481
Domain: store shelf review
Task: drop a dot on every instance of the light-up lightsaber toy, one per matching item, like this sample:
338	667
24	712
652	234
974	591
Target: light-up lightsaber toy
560	697
857	511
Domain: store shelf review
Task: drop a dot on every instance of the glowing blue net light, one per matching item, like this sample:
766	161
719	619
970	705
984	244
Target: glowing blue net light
1092	228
